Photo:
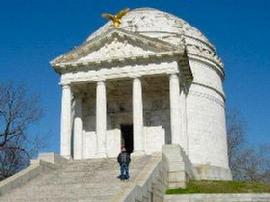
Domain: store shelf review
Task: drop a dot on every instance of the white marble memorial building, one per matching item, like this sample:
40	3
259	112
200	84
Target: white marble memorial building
155	80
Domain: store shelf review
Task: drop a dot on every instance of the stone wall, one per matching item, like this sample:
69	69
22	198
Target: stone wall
259	197
208	172
178	167
154	139
206	117
150	185
181	170
45	163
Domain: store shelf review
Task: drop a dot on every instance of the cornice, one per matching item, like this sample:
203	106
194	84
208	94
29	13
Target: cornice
199	51
118	61
211	64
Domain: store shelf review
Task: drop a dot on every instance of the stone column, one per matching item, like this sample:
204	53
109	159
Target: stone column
175	113
78	129
183	109
101	118
65	129
138	135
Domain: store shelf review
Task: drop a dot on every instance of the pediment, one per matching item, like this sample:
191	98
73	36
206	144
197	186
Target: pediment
116	48
115	44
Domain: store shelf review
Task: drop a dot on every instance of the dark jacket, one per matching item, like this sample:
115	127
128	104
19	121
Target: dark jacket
123	157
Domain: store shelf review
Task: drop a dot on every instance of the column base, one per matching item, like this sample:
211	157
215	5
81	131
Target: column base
137	153
68	157
101	155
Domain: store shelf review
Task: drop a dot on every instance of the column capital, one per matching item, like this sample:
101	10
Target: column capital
65	86
101	82
136	79
173	76
135	76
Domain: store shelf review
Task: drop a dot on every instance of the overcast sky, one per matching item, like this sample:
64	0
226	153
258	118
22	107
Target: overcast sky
33	32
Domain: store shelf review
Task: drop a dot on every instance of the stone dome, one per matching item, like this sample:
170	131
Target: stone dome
167	27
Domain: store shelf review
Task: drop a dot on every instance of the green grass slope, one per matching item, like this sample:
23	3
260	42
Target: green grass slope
221	187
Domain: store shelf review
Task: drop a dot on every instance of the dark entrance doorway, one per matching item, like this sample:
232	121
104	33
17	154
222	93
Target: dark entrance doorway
127	137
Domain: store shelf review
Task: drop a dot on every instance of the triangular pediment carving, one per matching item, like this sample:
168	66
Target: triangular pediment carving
116	44
116	48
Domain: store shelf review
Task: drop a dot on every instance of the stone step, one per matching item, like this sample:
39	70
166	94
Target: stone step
69	194
100	198
77	186
79	180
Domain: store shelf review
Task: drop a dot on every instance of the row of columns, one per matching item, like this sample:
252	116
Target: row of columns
101	118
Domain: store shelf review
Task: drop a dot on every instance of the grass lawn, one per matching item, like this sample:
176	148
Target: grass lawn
206	186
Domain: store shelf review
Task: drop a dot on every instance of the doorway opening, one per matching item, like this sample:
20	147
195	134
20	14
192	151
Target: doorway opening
127	137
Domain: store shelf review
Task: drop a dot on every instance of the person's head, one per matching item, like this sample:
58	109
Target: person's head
123	149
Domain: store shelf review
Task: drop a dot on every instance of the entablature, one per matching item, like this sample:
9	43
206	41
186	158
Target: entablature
128	71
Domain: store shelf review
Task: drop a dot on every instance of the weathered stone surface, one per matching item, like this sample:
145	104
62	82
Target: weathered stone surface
93	180
218	198
155	73
46	162
178	166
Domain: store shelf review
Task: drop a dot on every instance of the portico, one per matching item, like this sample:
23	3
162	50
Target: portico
111	111
116	80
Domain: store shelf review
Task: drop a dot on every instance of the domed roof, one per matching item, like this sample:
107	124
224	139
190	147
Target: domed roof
153	22
167	27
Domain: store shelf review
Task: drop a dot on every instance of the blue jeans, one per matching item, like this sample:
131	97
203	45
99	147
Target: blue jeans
124	171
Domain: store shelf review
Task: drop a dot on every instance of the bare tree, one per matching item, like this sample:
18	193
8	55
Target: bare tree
247	162
18	111
236	137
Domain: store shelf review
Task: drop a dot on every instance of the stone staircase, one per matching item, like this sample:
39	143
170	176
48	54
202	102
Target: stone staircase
80	180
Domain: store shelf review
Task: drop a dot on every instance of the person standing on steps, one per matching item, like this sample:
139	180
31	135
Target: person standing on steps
124	160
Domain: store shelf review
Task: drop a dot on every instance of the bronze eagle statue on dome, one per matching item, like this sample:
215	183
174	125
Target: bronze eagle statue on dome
116	19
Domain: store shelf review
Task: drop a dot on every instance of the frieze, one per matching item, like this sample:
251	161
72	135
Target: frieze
118	73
